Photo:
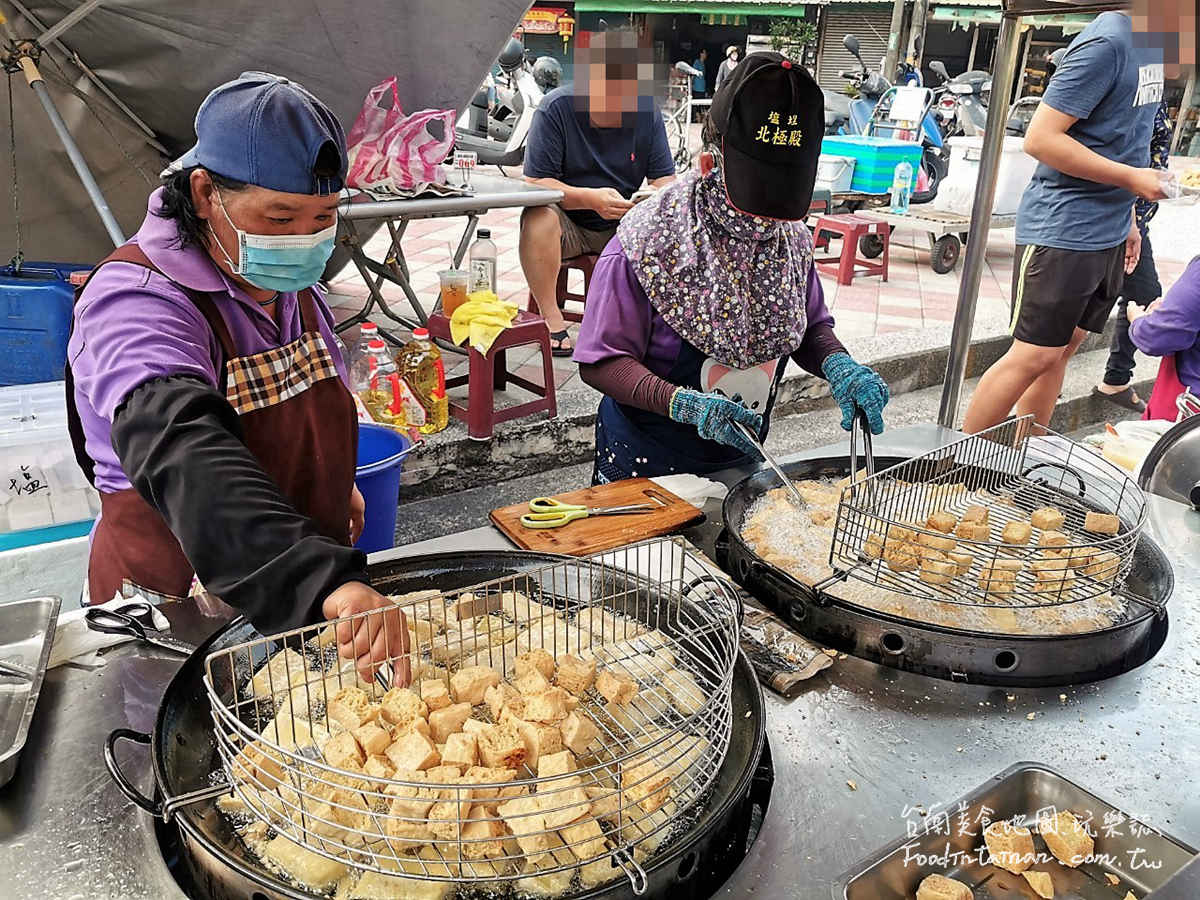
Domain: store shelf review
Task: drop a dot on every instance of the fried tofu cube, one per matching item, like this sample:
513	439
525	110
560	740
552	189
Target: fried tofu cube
349	707
606	803
342	752
413	751
936	542
1052	538
461	750
1101	523
446	817
548	706
563	800
976	514
304	865
373	738
873	546
1056	583
538	738
446	721
1050	568
482	834
560	763
1010	846
532	682
575	675
942	521
260	765
616	687
400	705
278	674
973	531
1016	533
1047	518
1041	883
647	784
937	572
1081	557
1066	838
578	731
504	696
434	693
474	726
501	746
939	887
584	837
820	516
524	819
486	775
537	659
902	557
962	561
379	767
1104	565
468	684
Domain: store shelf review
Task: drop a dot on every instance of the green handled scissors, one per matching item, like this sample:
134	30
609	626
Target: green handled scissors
546	512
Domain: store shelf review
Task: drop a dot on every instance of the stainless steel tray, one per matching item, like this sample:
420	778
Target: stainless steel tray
949	841
26	634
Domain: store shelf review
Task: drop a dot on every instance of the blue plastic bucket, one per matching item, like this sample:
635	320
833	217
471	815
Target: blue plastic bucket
381	453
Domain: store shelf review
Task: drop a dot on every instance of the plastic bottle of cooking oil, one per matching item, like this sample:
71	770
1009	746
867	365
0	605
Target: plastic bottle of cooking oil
420	363
379	388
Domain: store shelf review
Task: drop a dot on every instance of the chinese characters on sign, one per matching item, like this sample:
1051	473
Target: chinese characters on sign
25	484
780	133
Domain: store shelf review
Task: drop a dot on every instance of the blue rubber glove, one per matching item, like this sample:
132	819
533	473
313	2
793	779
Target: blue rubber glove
854	386
713	416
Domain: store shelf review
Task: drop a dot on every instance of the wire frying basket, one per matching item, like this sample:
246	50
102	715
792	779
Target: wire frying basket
1003	518
413	784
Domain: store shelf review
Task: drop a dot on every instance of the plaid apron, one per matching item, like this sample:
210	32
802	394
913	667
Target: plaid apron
297	418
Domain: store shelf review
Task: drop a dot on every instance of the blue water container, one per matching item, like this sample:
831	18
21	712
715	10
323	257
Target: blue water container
35	321
381	453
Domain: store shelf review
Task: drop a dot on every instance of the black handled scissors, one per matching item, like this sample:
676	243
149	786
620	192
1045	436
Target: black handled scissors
135	620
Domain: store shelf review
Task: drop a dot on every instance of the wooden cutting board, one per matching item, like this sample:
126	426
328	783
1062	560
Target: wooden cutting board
595	534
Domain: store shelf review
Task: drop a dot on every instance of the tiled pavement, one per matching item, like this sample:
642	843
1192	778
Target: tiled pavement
913	298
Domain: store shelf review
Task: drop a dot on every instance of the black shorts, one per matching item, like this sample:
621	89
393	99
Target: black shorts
1142	285
1056	291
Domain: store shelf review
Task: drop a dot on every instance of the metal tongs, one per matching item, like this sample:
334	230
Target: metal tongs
793	493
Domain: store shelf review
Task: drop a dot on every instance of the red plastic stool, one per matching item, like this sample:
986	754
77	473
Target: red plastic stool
584	264
488	373
851	229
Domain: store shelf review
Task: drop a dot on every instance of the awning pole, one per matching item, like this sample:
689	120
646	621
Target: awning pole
893	45
1007	47
34	77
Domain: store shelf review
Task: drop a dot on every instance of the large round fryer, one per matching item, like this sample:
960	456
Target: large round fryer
183	754
940	651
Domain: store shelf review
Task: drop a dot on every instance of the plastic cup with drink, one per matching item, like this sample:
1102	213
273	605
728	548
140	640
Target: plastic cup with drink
455	284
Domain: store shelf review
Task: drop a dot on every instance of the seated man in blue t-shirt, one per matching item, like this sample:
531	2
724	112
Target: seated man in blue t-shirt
596	141
1077	235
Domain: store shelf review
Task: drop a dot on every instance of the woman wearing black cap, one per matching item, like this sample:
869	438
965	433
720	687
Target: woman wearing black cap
709	287
206	396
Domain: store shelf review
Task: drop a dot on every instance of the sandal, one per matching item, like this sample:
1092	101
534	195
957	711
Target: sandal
1126	399
556	347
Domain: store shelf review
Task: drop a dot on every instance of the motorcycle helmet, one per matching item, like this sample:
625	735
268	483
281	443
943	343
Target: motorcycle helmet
547	73
512	55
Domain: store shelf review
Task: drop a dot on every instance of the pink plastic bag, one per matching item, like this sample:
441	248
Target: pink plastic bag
395	153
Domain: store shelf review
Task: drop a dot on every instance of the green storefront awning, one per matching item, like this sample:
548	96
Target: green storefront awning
1069	22
698	7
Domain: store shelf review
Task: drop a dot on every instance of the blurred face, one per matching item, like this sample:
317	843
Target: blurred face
619	74
704	54
733	57
1169	26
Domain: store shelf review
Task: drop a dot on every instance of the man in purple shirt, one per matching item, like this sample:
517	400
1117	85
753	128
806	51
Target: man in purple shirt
709	288
205	393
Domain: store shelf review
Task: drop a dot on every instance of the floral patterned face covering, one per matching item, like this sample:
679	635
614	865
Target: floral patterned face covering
733	285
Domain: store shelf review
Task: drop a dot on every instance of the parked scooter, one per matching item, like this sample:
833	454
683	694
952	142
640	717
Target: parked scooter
872	88
962	107
496	129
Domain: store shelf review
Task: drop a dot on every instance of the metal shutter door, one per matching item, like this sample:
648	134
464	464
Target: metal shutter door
869	22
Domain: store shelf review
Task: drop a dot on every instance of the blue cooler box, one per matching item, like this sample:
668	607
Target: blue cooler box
35	321
875	159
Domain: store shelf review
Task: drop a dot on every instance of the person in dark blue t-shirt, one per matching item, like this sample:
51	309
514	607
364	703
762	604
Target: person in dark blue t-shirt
700	82
597	141
1077	236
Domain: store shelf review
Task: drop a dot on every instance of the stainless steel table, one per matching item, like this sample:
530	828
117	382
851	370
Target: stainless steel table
488	192
903	739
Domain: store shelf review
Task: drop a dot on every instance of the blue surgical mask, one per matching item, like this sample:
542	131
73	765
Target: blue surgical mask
285	262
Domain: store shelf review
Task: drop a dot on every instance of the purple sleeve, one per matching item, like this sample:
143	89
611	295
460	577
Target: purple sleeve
617	316
132	326
1175	325
326	325
819	340
629	382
